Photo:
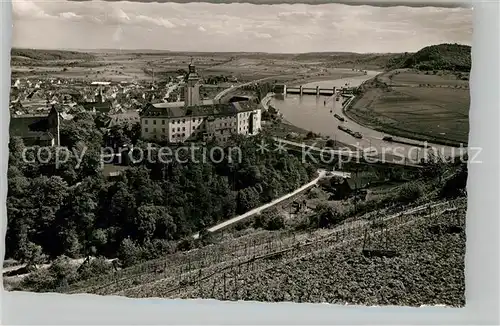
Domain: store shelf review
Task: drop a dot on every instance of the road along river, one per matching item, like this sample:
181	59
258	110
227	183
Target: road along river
311	113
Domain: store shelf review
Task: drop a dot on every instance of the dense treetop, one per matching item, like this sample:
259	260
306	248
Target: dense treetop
37	54
76	211
455	57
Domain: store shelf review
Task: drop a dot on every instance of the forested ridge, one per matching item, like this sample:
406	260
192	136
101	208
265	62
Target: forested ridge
456	57
39	54
78	212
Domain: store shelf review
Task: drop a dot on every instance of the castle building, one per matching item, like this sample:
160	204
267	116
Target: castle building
197	119
41	130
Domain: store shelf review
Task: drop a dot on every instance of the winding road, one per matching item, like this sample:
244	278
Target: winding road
258	210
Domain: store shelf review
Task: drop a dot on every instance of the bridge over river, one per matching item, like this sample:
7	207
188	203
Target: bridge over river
318	91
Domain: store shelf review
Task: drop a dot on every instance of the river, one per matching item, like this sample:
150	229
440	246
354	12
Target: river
310	112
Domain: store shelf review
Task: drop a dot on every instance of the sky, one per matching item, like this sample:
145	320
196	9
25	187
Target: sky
286	28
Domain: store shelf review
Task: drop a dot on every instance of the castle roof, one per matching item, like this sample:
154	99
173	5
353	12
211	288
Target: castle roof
28	125
32	128
225	109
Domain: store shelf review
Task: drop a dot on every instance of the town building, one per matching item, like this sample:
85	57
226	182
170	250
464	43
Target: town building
120	118
99	105
41	130
197	119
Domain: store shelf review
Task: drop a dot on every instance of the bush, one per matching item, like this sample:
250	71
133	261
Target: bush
325	217
160	247
274	223
369	205
186	244
206	238
129	253
270	220
96	266
310	135
56	277
299	223
456	185
409	192
314	193
40	280
330	143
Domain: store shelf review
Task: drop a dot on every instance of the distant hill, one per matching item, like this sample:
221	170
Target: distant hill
435	57
346	59
455	57
35	54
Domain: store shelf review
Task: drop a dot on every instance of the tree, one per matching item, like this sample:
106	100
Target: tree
270	220
310	135
456	185
248	198
117	137
330	143
76	221
409	192
129	253
76	211
18	184
99	239
16	148
325	216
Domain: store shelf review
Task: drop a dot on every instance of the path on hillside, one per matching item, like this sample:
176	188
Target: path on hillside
321	174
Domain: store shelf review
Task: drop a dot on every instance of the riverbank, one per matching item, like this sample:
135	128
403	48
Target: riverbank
418	131
345	73
265	101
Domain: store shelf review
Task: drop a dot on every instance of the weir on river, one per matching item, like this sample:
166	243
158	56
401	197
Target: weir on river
316	114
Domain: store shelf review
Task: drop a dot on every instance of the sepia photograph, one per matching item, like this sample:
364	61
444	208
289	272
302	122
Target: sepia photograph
239	152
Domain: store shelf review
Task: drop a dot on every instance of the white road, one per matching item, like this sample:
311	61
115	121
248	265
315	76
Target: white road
321	174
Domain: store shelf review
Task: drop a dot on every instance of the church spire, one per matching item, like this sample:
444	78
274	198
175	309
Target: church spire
192	87
191	67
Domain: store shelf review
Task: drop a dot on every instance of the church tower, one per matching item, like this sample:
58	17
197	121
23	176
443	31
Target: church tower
53	125
192	88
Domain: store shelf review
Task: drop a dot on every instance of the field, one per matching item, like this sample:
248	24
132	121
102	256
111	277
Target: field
130	65
341	274
417	105
324	265
429	269
407	77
